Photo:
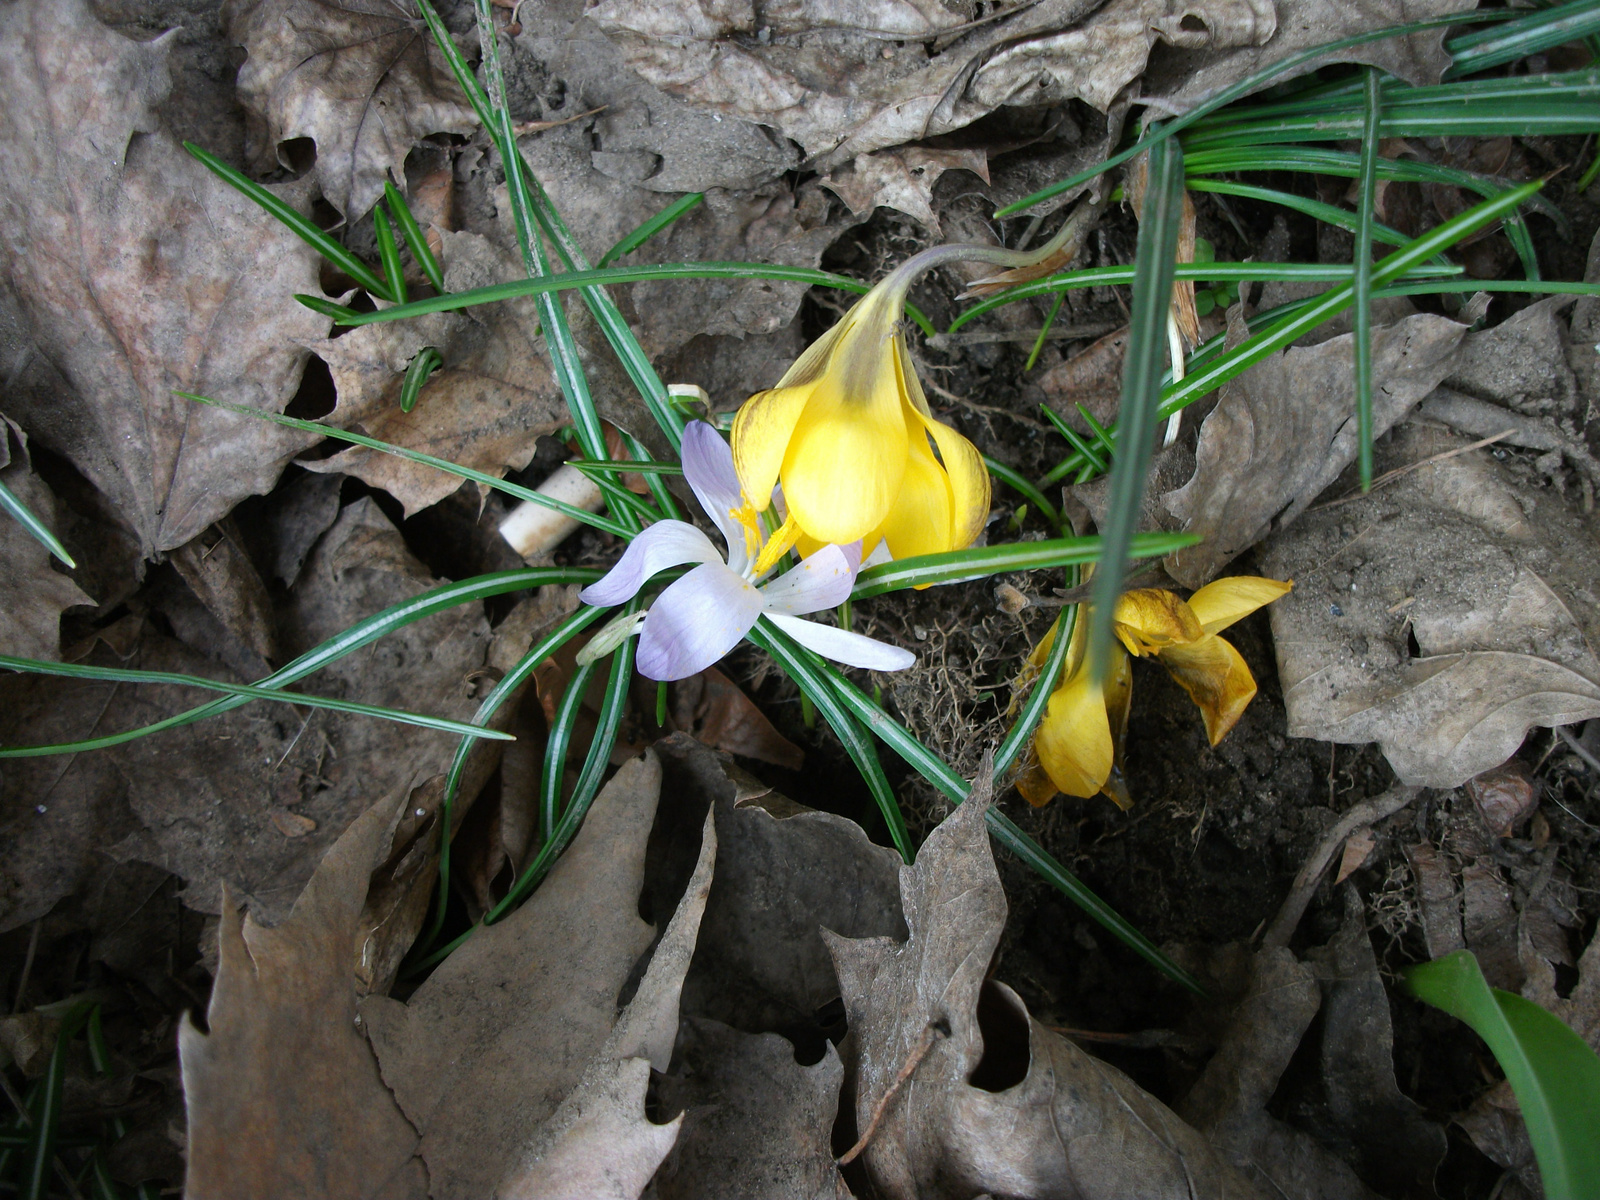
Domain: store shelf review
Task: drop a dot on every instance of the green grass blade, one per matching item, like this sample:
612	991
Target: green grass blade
1328	214
583	516
45	1111
1075	440
1032	711
33	666
422	365
812	676
416	241
35	527
1044	331
1017	483
389	254
588	785
397	616
644	273
1555	1076
628	243
1361	285
1531	34
1213	272
642	466
559	636
555	750
1141	387
1278	70
980	562
937	772
300	226
1207	378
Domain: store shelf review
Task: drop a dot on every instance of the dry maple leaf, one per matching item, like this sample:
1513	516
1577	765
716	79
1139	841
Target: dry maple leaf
903	180
360	78
959	1091
138	273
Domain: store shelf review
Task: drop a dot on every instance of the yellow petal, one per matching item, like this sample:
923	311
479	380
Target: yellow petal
1119	698
919	521
846	456
761	433
1033	781
1074	739
813	360
1223	601
1148	619
963	465
1217	680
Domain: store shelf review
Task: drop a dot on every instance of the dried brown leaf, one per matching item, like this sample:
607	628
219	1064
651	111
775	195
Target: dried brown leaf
1494	582
959	1091
222	577
902	180
33	594
484	408
1286	428
137	273
199	800
834	85
360	78
1186	79
283	1092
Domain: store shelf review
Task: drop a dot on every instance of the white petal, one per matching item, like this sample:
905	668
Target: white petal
696	621
708	469
822	581
880	555
665	544
852	649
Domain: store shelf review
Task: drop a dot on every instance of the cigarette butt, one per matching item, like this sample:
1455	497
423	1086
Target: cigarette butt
533	529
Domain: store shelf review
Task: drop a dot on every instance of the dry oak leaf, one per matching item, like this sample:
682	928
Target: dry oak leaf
960	1091
484	408
1496	584
1286	428
514	1043
137	273
822	72
33	593
282	1090
360	78
903	180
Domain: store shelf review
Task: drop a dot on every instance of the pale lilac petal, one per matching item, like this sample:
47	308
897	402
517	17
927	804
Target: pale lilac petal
665	544
708	469
696	621
852	554
822	581
852	649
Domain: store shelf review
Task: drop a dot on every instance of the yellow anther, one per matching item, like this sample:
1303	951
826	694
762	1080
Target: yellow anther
779	544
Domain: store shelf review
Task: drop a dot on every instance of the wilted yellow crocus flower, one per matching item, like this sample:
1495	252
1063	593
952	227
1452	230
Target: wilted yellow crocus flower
1079	742
849	434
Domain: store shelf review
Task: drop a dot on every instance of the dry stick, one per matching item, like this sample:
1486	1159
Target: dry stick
1368	812
1578	748
931	1033
27	965
1390	476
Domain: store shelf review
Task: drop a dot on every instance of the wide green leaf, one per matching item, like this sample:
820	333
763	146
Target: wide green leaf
1553	1072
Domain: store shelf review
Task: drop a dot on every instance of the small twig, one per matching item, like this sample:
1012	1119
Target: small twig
1389	477
1573	744
27	965
930	1034
1368	812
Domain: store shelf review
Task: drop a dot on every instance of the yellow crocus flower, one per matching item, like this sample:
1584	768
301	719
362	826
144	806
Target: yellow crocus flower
1078	746
848	433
